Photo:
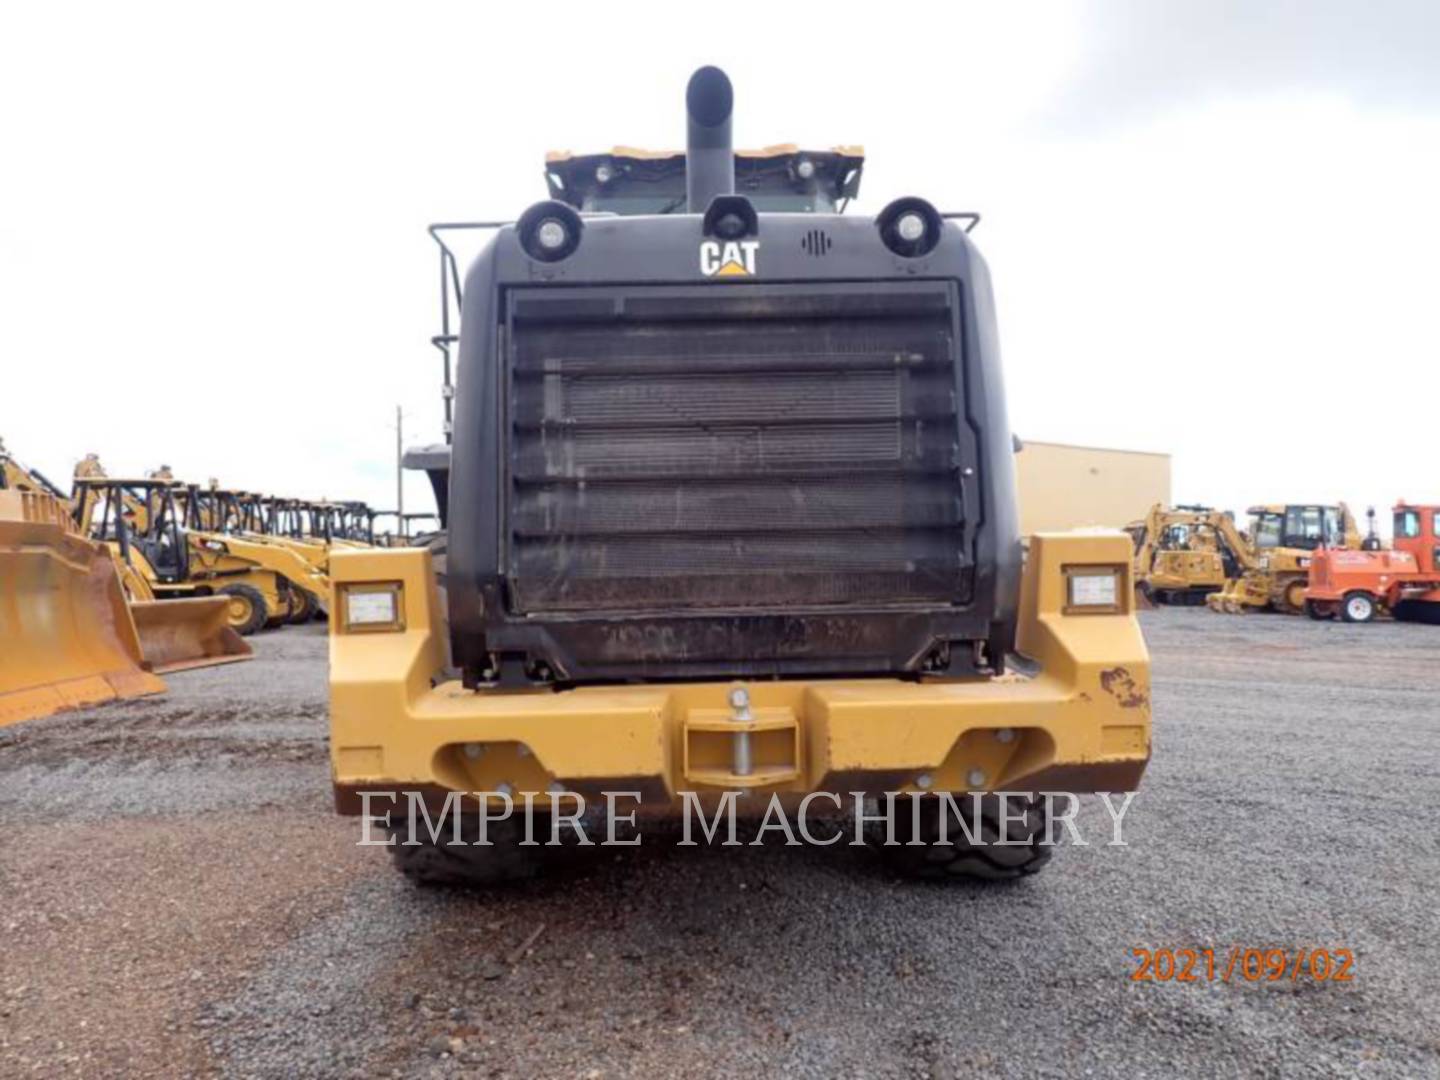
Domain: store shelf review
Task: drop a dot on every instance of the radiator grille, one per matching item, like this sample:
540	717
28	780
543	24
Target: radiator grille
675	456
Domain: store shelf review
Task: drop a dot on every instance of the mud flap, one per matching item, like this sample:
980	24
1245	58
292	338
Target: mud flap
69	640
179	634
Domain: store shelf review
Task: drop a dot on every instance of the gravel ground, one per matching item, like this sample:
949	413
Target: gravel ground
180	900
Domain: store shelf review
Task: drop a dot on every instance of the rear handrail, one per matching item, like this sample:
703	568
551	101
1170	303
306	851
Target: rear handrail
450	287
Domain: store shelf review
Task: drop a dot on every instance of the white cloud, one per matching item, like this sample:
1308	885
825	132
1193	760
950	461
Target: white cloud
212	247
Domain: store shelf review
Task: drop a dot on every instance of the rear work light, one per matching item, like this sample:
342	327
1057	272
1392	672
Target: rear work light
1094	590
372	608
549	231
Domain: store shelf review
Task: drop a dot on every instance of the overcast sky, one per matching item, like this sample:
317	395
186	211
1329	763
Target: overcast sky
1214	227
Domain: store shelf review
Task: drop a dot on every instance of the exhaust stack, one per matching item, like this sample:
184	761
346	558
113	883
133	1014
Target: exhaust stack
709	153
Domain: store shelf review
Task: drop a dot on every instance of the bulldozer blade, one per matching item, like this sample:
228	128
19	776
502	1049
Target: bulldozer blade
176	635
69	640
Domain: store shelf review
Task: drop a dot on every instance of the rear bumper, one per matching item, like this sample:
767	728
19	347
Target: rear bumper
1080	724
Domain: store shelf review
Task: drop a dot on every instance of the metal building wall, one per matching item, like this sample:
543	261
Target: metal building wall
1068	487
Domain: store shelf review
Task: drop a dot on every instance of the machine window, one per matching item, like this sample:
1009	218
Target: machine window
1304	526
1407	524
1266	530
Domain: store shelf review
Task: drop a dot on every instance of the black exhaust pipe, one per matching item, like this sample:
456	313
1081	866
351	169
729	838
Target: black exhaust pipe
709	154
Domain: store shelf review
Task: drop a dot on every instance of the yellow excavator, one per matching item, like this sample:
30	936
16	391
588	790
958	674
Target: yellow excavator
1276	552
1184	553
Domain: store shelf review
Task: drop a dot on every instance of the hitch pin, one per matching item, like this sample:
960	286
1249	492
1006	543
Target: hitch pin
740	741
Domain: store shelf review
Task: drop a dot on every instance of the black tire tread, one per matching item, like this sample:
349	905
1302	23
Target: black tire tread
258	609
958	859
502	862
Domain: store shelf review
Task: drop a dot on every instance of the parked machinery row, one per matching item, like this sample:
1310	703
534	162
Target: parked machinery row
267	556
1292	558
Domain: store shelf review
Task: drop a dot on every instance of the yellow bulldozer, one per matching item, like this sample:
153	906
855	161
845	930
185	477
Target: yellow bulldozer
1275	556
1184	553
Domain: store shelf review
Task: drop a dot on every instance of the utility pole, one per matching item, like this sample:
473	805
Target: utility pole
400	468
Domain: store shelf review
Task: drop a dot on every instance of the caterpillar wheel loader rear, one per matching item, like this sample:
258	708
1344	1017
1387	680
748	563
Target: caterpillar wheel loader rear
1275	559
731	508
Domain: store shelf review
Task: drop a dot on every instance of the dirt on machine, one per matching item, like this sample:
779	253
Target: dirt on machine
731	515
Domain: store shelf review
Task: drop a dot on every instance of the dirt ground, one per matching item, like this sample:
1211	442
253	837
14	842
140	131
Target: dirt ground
179	899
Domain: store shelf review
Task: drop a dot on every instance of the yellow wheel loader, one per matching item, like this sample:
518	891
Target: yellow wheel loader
67	639
732	520
172	637
1275	556
1184	553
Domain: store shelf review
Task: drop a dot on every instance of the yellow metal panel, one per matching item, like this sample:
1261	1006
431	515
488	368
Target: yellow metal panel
1081	723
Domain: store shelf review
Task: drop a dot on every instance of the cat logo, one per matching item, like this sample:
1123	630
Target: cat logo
734	258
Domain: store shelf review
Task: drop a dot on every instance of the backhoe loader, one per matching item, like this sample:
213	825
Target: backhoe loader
145	522
731	511
1275	557
242	515
1184	553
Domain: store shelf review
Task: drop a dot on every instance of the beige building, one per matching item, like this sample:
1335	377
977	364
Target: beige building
1069	487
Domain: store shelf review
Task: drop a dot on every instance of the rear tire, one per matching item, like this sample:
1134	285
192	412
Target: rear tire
245	611
1357	607
303	605
1320	609
502	862
1292	597
1418	611
958	859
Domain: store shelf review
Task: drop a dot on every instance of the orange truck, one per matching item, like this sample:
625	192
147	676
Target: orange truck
1403	580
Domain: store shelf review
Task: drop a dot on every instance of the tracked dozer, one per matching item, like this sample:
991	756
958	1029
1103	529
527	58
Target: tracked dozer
731	509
